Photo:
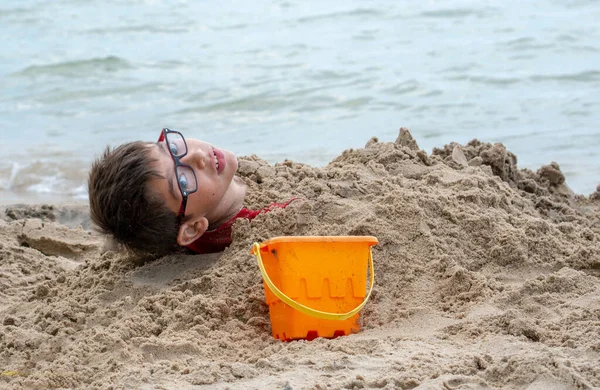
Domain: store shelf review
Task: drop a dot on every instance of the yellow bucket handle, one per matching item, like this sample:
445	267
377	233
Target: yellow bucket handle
305	309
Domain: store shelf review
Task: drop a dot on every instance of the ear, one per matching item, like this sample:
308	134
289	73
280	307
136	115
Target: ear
191	230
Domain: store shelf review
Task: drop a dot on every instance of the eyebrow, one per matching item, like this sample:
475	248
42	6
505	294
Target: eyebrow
170	178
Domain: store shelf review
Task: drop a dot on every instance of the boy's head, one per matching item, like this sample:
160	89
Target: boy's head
152	196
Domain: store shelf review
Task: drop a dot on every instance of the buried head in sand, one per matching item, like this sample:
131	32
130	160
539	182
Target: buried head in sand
153	197
487	276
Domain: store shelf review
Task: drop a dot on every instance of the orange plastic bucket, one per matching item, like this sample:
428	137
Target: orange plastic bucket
315	286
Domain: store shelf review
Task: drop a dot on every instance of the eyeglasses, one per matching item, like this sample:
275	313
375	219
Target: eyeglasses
186	178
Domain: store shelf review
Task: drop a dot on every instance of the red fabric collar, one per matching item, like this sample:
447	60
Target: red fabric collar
218	239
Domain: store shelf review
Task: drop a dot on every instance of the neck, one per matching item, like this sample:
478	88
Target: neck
232	203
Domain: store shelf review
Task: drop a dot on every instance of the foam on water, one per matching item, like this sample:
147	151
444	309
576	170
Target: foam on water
32	182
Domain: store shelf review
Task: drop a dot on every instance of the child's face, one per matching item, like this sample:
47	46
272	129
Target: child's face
214	180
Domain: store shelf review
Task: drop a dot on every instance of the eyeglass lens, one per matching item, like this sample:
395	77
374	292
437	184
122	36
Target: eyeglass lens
176	144
185	175
186	179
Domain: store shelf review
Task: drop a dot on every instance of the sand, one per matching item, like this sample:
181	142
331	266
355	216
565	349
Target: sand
487	276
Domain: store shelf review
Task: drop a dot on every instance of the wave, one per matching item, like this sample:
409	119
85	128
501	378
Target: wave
458	13
60	95
487	80
19	11
81	68
141	28
527	43
581	77
359	12
64	179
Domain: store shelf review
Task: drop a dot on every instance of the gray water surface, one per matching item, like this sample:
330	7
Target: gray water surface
302	80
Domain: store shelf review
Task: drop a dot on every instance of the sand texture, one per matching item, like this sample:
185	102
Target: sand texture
487	276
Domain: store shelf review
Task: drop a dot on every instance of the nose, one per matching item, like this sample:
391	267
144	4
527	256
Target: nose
195	157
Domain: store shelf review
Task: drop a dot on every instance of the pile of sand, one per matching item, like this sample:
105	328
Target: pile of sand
487	276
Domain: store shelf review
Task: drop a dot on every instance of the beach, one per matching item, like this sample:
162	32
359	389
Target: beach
487	277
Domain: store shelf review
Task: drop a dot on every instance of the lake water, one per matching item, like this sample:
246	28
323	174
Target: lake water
302	80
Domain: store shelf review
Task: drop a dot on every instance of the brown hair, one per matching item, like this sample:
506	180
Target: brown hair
122	204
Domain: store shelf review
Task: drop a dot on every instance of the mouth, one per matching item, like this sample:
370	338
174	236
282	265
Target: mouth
219	159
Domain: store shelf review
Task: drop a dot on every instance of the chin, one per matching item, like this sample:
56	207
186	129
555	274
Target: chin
232	161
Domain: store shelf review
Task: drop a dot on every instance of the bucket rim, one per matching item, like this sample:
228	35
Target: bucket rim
320	239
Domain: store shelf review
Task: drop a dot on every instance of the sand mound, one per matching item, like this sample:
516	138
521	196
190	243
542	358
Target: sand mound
487	277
